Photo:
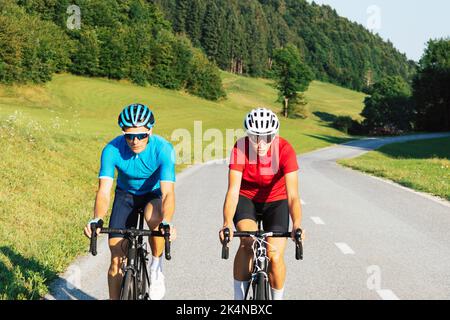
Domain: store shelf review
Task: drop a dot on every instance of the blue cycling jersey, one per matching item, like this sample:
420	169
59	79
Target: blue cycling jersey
139	173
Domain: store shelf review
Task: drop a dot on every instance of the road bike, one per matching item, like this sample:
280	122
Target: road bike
136	279
258	287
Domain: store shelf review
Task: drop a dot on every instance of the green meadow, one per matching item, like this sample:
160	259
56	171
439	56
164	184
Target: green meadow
52	137
422	165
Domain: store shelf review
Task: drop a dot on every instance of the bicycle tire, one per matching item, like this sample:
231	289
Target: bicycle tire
128	291
143	280
261	288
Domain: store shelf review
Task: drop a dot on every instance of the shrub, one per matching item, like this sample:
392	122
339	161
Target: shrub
31	50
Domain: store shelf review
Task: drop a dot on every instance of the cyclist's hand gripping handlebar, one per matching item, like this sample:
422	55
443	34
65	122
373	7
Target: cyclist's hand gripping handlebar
94	227
298	245
226	239
166	228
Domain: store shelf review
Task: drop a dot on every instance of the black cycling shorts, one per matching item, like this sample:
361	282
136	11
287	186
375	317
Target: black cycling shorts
275	215
124	213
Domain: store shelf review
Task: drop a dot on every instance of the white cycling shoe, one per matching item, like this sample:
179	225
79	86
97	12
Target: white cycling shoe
157	285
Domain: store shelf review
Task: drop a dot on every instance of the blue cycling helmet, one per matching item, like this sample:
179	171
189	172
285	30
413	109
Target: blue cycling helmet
136	115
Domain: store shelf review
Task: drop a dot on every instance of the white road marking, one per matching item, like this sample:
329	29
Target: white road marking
387	294
302	202
317	220
344	248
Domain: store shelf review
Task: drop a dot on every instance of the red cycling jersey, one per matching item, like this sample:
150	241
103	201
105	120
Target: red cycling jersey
263	176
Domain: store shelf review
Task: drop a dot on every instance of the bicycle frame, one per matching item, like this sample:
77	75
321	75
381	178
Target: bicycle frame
136	262
259	279
259	275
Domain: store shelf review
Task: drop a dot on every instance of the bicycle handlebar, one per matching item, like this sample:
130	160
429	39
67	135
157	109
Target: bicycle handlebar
132	233
166	236
298	245
241	234
225	249
93	244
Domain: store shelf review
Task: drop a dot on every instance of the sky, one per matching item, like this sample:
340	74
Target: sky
408	24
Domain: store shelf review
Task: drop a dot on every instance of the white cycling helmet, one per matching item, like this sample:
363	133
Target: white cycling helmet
261	122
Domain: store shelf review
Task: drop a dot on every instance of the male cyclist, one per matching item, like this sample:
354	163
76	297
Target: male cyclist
263	178
146	177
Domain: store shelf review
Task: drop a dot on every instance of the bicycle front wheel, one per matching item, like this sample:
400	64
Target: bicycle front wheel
128	291
143	282
261	291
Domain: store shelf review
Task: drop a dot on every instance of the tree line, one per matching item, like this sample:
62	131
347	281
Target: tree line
242	37
396	106
118	39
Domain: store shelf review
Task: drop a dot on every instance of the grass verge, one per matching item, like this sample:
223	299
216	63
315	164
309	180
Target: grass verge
423	165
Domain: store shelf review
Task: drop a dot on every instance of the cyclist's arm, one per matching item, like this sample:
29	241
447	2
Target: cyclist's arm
105	181
168	199
167	181
232	197
295	209
103	197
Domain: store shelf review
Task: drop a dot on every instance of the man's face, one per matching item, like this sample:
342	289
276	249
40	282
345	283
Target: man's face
137	138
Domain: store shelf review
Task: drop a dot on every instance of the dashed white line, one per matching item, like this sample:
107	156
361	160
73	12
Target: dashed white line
317	220
387	294
344	248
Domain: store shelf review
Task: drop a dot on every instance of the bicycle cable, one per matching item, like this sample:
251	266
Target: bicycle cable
263	250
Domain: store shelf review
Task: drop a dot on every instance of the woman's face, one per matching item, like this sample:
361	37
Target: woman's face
261	144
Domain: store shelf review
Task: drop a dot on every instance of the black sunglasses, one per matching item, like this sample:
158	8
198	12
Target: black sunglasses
266	138
131	136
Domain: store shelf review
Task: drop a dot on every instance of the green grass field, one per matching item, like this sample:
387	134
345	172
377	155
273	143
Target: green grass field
52	137
421	165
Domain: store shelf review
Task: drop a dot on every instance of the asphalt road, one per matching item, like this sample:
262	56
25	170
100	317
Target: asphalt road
366	238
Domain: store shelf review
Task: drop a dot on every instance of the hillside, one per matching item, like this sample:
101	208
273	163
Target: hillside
117	39
240	36
167	43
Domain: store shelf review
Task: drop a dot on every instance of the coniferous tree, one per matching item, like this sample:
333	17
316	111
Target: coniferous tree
194	21
182	9
257	36
211	31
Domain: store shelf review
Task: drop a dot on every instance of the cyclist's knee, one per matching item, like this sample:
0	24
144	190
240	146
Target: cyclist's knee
114	267
275	258
116	263
154	222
